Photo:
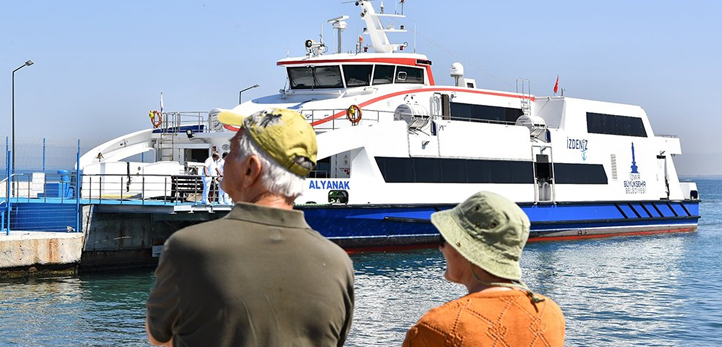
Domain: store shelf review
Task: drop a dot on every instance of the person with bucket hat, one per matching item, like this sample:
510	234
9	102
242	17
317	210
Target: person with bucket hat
260	276
482	240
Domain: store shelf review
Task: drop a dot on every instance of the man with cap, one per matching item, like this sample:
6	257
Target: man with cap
482	239
260	276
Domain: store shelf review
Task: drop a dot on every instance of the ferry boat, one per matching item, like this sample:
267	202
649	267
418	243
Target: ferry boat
394	147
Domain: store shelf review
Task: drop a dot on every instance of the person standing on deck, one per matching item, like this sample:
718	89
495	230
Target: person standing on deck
260	276
210	173
223	198
481	240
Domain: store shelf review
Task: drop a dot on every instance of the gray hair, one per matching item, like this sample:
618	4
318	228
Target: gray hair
276	178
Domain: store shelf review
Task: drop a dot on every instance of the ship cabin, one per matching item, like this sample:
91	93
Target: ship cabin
345	71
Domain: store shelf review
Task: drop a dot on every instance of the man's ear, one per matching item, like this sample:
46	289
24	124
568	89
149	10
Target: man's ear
253	170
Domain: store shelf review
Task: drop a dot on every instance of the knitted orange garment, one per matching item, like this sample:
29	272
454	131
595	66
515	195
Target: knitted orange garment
505	318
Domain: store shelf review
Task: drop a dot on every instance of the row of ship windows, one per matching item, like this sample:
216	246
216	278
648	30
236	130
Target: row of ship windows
597	123
318	77
438	170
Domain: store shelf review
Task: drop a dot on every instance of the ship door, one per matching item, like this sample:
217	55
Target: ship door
544	177
662	176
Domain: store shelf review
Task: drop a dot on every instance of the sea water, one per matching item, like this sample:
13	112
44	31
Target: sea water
659	290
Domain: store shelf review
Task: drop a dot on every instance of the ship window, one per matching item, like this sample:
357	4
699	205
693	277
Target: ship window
338	197
357	75
384	74
580	174
396	169
454	170
440	170
407	74
450	170
427	170
598	123
322	169
472	112
311	77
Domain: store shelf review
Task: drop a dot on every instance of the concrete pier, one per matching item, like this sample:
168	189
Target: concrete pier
27	252
113	236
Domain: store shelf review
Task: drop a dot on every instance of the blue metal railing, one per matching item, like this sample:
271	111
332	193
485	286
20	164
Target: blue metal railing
6	210
41	200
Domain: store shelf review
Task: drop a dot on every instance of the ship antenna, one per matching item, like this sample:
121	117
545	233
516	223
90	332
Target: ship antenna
339	23
377	31
320	36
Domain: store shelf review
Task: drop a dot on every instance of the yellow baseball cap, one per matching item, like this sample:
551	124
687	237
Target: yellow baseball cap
283	134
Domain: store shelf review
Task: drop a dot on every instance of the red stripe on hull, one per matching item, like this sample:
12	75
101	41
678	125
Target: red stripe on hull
599	236
401	248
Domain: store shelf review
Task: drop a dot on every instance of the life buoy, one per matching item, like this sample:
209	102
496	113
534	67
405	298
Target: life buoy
354	114
156	118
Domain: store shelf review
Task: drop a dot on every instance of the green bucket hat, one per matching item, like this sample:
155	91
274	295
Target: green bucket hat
283	134
487	229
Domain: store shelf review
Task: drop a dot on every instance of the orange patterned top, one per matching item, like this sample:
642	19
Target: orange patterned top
502	318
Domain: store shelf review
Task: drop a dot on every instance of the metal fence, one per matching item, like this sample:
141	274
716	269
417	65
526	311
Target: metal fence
38	186
44	191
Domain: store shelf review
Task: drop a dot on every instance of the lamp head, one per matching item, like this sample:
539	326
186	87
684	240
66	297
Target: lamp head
29	62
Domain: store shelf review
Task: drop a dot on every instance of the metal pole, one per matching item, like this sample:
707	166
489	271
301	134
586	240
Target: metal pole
243	90
12	125
43	154
27	63
77	190
7	186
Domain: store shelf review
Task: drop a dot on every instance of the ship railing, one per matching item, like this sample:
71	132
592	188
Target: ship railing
139	189
179	122
39	185
335	118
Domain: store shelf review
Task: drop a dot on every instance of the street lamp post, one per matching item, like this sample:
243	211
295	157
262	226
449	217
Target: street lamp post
27	63
243	90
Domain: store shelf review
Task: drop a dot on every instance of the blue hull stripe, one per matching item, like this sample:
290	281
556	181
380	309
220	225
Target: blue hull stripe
389	221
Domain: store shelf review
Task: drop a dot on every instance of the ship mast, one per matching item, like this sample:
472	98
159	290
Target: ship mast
375	29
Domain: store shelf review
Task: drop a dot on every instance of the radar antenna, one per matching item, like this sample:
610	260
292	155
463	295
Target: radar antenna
339	23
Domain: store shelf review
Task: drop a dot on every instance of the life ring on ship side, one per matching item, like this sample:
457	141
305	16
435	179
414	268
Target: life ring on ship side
354	114
156	118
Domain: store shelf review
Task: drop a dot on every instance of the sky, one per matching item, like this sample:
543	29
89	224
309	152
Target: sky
100	66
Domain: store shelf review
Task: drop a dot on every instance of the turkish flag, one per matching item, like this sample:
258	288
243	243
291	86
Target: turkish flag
556	85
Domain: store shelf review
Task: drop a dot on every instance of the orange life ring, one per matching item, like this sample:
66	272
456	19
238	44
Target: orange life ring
354	114
156	118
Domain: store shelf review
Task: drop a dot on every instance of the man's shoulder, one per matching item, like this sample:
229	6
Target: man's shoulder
194	232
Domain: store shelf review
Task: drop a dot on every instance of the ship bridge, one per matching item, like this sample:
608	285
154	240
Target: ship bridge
357	70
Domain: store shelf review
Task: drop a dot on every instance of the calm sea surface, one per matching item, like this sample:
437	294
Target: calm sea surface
629	291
